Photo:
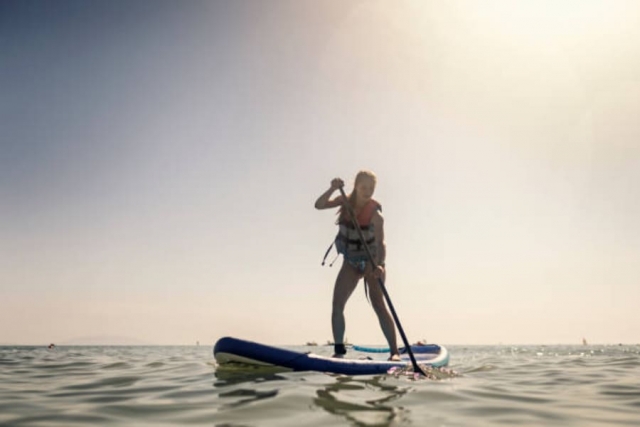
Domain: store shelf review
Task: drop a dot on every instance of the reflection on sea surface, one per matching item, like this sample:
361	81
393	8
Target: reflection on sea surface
362	401
245	373
365	402
345	400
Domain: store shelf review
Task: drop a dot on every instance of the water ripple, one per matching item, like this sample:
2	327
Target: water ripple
165	386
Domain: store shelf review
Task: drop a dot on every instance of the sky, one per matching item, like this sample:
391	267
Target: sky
159	162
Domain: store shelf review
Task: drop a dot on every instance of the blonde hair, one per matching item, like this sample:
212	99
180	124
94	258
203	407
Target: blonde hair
360	176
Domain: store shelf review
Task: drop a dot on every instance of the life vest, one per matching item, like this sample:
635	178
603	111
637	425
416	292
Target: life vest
348	242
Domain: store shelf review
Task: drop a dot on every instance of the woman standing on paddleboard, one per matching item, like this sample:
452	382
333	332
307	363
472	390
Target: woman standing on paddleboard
356	263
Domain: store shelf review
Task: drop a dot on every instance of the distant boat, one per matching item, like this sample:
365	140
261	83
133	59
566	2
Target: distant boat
312	343
346	342
584	341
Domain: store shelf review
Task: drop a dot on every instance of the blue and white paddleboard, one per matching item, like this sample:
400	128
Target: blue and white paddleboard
234	351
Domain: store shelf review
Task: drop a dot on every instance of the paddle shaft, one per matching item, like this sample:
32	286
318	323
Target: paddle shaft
354	221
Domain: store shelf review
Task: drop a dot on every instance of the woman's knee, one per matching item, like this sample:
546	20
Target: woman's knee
380	308
377	299
337	308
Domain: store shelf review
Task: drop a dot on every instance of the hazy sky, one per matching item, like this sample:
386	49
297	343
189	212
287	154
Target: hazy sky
159	161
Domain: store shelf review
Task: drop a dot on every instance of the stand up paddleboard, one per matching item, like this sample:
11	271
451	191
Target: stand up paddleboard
234	351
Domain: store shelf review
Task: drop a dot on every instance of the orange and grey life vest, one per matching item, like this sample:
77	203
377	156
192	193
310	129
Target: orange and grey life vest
348	242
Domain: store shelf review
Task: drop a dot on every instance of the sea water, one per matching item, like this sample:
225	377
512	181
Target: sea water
553	385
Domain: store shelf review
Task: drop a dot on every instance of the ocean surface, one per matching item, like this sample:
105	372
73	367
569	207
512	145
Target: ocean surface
587	385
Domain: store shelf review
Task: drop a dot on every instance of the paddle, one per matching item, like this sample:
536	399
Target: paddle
354	221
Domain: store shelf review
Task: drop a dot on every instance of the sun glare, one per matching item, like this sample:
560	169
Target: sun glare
548	21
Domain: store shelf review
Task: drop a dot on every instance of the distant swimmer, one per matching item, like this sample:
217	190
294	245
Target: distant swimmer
52	346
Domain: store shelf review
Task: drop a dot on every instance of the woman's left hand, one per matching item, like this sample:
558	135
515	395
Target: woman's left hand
378	272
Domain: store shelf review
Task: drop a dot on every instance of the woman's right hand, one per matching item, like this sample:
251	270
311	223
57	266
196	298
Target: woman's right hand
336	183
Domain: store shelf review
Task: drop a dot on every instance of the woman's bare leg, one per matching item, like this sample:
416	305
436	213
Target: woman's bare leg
384	317
346	282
